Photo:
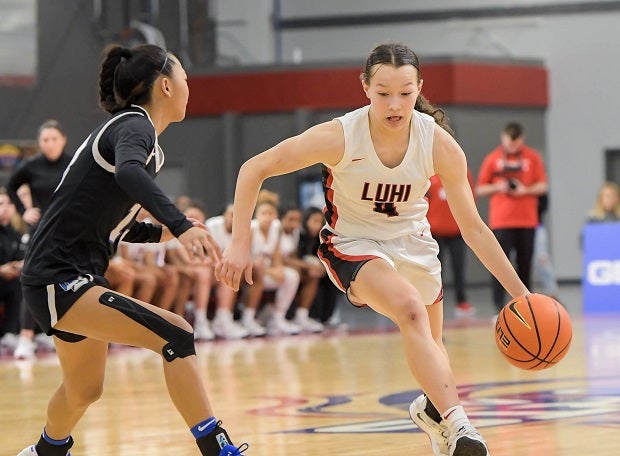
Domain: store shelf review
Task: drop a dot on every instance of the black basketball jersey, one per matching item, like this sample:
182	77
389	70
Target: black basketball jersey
108	180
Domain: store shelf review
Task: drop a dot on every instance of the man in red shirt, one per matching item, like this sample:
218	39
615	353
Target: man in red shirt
448	235
513	176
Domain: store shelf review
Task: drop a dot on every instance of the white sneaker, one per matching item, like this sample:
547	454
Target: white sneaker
253	328
226	328
437	433
280	326
9	340
467	442
44	342
25	348
308	324
202	331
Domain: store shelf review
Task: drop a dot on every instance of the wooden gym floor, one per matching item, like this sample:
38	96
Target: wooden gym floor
345	392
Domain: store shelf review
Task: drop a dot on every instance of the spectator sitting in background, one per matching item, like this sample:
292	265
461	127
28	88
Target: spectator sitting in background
324	304
266	230
11	262
607	206
195	279
223	323
309	268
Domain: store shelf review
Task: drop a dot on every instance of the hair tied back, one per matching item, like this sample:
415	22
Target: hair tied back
126	53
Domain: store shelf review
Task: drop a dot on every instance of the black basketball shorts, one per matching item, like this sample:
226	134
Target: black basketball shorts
48	303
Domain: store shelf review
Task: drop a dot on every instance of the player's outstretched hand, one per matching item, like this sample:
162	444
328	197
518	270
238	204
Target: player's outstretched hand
235	261
199	243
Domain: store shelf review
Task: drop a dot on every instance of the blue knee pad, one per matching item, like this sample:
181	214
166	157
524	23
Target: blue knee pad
180	342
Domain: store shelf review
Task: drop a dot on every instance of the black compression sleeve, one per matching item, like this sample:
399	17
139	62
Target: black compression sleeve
132	142
143	232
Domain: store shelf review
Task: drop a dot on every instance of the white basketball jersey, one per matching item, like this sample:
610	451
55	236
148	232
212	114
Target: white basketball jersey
265	246
217	227
289	243
366	199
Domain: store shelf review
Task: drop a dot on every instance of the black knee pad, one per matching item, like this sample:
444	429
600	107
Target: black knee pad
180	342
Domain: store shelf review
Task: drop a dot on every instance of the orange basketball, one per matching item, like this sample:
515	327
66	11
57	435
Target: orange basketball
533	332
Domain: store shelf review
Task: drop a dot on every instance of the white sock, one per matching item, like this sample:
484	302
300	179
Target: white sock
249	314
301	314
455	418
200	315
223	314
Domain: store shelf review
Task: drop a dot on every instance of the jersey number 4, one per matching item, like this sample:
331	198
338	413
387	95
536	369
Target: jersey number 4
388	209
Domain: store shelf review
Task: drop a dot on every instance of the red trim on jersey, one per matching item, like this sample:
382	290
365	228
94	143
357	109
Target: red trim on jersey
331	214
439	296
344	256
333	272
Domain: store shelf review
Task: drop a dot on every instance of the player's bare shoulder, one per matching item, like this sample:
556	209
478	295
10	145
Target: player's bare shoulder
446	151
327	141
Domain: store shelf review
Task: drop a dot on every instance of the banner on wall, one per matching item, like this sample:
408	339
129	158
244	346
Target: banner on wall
601	267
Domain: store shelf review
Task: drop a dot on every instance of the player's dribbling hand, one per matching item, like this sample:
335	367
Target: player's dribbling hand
199	243
234	263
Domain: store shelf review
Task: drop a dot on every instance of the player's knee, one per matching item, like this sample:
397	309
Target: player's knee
180	322
84	395
174	330
149	280
180	344
408	309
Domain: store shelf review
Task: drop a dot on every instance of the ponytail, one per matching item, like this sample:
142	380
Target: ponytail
423	105
127	75
111	60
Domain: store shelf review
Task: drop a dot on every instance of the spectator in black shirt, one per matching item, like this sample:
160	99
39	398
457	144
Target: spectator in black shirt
40	176
109	179
11	262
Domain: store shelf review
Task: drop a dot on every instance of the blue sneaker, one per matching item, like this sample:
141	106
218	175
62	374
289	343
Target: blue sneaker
218	442
231	450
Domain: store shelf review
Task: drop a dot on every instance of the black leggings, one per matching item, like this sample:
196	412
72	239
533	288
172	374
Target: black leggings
11	302
455	245
521	241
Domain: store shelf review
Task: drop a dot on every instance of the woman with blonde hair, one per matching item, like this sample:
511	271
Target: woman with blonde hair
607	206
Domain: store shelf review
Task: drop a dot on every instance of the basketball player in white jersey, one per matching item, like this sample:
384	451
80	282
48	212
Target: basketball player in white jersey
376	245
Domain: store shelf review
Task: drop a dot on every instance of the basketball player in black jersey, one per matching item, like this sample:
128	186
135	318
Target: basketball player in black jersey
109	178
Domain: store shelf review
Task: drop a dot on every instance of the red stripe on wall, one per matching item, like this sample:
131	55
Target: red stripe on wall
445	83
17	81
484	84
